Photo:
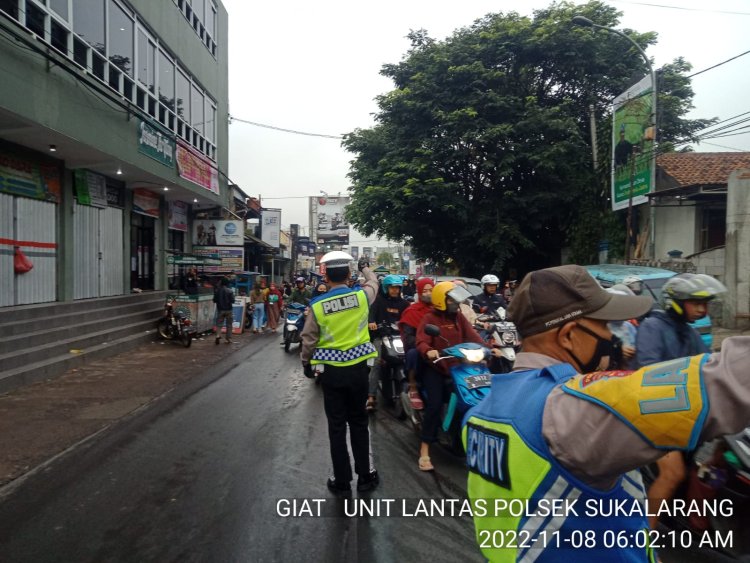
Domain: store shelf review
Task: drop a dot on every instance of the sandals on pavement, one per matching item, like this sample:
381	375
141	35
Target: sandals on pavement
416	401
425	464
371	404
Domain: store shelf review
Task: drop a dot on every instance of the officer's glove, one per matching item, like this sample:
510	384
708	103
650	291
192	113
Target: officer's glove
362	264
307	370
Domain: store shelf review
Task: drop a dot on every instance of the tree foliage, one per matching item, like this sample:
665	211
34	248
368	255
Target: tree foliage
480	154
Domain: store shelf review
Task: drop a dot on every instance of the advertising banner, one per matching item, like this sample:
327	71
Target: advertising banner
232	259
633	145
354	251
218	233
91	188
367	252
271	223
156	144
177	216
329	221
195	167
145	202
24	177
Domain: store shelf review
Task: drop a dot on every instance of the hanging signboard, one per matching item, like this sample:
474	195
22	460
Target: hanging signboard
145	202
91	188
329	222
633	145
196	168
232	259
25	177
271	223
155	144
218	233
177	215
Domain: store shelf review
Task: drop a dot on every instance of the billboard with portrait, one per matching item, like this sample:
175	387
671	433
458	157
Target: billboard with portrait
328	220
632	145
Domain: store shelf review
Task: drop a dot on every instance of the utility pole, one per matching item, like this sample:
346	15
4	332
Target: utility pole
629	227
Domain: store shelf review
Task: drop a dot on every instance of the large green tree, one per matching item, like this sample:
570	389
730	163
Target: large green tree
481	153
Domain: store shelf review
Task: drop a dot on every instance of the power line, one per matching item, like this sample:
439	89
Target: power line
724	147
683	8
719	64
293	131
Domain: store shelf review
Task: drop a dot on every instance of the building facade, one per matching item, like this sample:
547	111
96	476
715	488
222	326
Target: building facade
113	137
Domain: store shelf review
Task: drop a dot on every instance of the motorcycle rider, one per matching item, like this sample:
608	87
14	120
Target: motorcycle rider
301	293
582	437
387	308
490	299
409	324
454	329
666	335
336	337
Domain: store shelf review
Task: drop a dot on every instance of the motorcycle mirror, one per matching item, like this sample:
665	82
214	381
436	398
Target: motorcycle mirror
432	330
501	313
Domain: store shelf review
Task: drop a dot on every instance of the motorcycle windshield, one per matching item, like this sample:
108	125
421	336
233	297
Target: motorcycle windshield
469	351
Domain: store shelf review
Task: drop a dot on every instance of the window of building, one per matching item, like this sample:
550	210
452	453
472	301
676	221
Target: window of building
60	7
10	7
35	19
166	81
197	110
59	37
210	110
211	19
120	38
146	61
182	95
88	23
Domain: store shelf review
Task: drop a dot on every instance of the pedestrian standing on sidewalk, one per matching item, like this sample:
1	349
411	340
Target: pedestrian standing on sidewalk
224	299
336	338
259	298
274	307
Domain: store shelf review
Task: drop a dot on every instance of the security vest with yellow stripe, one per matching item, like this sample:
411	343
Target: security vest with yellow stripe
509	459
342	315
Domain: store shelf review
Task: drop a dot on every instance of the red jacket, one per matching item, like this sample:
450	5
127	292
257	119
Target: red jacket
454	328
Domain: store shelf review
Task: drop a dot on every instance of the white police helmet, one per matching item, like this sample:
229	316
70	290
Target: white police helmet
336	259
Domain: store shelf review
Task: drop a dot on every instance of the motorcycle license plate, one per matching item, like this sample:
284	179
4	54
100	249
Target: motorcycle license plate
477	381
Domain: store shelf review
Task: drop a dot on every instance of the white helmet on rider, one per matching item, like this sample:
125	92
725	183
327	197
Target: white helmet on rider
336	259
490	279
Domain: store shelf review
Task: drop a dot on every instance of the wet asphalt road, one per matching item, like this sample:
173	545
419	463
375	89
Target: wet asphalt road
204	481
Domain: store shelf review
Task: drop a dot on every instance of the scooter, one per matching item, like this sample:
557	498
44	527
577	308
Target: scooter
503	335
175	325
392	377
471	381
294	322
718	471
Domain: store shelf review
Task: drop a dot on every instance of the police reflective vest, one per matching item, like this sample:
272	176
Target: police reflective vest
511	468
342	315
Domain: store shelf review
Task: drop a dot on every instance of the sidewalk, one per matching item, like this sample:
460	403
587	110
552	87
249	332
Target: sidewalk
42	420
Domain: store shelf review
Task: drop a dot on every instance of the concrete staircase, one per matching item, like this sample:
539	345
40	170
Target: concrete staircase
44	340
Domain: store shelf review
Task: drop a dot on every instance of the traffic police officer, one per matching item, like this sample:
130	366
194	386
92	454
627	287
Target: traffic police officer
548	434
336	339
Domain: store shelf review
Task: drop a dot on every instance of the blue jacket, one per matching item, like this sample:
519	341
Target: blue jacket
663	337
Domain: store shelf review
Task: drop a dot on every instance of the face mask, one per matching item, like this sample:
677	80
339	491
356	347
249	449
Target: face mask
451	307
425	298
603	348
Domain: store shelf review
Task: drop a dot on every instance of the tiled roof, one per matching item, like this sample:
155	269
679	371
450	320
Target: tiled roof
702	168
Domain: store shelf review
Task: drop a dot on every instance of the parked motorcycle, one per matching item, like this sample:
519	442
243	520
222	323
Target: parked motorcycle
471	380
718	470
249	309
392	377
503	335
175	325
294	322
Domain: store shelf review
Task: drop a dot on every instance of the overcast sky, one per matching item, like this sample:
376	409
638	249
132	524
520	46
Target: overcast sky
314	67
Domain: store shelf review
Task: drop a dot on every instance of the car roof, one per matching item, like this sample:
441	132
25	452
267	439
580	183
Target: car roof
616	273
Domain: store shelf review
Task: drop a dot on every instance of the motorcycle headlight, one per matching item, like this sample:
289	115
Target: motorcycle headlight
508	338
473	355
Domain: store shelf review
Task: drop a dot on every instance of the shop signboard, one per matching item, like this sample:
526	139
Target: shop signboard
632	138
196	168
329	221
156	144
91	188
25	177
271	223
177	215
232	259
218	233
146	202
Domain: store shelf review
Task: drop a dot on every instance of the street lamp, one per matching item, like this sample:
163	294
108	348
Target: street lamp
585	22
